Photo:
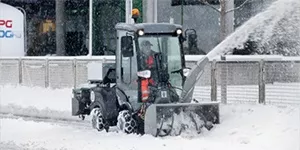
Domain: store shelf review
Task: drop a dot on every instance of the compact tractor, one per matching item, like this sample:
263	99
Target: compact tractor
149	89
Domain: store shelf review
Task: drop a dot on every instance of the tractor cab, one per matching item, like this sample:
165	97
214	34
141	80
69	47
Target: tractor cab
150	62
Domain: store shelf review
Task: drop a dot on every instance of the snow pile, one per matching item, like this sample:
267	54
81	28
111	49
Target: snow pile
36	102
42	98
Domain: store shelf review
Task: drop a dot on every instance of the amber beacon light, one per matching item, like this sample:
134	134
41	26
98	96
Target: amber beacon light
135	14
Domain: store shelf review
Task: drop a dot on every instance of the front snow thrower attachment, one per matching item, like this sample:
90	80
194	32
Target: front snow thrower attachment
174	119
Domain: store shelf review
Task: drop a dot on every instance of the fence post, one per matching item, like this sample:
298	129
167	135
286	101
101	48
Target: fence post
214	87
74	71
224	81
20	71
261	83
46	73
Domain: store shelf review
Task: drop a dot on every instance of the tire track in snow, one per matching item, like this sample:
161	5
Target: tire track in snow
36	112
13	111
61	122
62	118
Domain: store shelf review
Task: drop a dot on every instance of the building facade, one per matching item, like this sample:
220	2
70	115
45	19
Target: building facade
61	26
206	21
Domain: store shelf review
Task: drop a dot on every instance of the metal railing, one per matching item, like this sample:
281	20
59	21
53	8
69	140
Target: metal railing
238	79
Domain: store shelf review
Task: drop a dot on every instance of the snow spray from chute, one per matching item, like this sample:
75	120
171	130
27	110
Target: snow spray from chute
275	31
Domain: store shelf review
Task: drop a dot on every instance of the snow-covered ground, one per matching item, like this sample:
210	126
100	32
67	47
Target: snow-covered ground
243	126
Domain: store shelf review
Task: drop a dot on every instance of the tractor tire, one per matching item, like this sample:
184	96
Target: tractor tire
126	123
99	113
98	121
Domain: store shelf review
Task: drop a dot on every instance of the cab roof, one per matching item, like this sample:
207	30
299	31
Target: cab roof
149	27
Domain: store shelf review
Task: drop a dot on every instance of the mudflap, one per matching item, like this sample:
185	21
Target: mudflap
160	116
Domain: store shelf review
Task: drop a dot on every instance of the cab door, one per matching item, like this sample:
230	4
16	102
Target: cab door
127	68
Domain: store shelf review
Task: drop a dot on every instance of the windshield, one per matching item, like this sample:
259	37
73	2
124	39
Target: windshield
169	47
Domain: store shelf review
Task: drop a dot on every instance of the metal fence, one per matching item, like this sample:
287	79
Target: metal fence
238	79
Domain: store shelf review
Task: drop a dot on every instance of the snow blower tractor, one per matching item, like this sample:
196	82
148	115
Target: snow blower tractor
149	89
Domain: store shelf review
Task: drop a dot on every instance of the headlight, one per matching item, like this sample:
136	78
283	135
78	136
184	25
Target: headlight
179	31
141	32
92	96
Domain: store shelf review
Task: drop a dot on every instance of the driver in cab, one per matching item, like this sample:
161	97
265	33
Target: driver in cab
148	63
147	55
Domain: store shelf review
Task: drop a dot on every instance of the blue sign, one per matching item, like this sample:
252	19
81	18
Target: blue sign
8	34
